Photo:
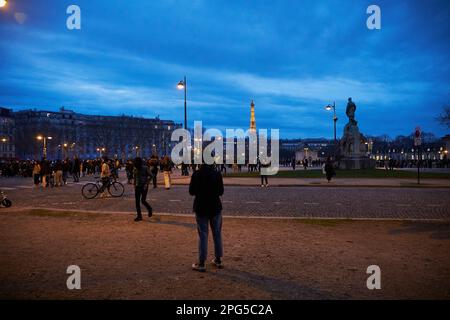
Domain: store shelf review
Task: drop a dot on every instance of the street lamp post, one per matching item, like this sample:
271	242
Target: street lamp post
100	151
65	150
44	150
335	119
329	107
183	85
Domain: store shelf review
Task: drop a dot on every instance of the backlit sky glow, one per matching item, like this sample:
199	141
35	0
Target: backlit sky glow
291	57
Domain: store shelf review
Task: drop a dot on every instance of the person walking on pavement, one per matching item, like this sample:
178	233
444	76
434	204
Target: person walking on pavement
167	170
129	166
142	176
305	164
45	172
329	169
36	174
154	164
207	187
264	180
76	168
58	173
105	174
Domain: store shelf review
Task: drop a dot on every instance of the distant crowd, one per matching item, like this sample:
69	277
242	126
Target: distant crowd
392	164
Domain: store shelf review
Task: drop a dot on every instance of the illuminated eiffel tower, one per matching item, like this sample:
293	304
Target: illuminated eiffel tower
252	118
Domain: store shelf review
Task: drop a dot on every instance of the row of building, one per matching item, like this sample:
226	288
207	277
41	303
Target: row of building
29	134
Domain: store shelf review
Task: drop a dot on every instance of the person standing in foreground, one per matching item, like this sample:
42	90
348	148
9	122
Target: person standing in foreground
142	176
207	187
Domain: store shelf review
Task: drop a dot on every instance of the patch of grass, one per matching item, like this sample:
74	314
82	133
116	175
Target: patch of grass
62	214
361	173
324	222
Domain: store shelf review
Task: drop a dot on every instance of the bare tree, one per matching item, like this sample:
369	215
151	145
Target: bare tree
444	117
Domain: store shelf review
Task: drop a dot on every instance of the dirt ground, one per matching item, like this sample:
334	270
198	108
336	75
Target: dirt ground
264	258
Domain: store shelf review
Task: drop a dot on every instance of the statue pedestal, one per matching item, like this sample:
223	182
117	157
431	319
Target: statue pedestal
353	149
356	163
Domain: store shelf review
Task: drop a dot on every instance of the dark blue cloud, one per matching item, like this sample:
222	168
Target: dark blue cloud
292	57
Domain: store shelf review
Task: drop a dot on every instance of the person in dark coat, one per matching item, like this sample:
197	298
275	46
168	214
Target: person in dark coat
329	169
76	166
154	164
142	176
207	187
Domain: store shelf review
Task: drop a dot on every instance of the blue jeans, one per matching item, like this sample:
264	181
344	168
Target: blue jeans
216	228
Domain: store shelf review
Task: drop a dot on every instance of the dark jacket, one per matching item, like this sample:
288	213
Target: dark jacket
207	187
329	169
142	176
154	163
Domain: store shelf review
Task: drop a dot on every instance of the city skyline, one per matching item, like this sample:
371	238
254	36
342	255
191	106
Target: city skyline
291	61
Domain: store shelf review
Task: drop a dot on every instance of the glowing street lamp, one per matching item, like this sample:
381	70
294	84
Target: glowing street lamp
183	85
100	150
44	139
3	3
333	107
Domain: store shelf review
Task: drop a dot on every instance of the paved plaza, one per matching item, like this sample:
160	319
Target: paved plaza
287	241
249	199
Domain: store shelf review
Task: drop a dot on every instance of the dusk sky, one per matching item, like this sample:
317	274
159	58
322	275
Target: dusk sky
291	57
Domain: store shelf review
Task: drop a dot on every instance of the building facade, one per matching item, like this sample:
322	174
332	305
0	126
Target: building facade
7	134
69	133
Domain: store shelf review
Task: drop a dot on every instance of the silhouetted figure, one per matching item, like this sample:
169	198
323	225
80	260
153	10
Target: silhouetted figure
329	169
167	171
142	176
154	164
207	187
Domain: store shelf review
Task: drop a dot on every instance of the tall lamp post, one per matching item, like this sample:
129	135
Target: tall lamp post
183	85
100	151
335	119
65	145
44	150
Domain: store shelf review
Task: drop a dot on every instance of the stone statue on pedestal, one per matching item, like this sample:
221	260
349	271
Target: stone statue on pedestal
352	145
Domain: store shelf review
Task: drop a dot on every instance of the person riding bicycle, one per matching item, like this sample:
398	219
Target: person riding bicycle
105	174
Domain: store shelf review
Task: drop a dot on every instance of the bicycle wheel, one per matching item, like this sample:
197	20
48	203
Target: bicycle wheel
89	190
116	189
7	203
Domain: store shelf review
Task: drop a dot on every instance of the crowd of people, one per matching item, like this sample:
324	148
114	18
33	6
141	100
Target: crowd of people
392	164
206	186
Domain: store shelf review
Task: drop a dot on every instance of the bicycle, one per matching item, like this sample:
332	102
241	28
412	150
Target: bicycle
5	201
91	190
